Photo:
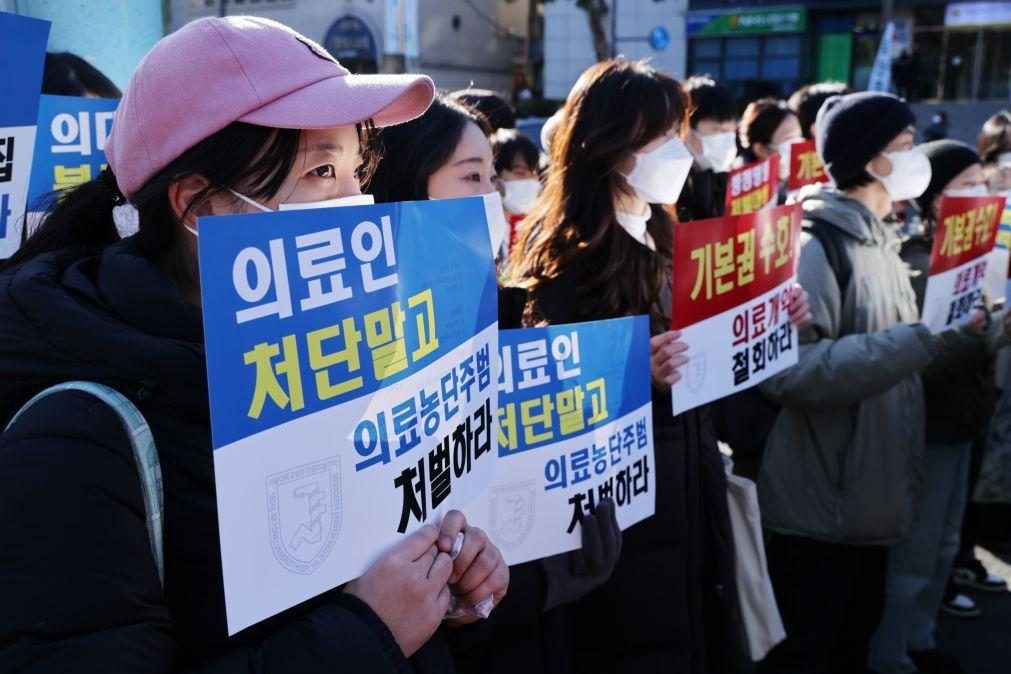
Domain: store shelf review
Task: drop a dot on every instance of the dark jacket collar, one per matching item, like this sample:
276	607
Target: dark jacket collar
106	315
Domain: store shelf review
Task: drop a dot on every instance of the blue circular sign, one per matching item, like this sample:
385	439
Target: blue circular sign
349	38
659	38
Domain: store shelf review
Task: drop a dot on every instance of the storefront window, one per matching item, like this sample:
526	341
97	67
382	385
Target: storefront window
995	79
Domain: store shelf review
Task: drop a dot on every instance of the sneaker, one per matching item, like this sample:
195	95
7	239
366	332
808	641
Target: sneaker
960	606
975	575
935	661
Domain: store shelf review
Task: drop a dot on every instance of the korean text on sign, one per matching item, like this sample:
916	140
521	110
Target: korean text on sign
574	427
352	386
753	187
733	278
963	240
22	57
806	167
70	144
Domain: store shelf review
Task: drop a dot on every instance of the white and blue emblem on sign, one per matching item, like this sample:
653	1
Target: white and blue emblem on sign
304	509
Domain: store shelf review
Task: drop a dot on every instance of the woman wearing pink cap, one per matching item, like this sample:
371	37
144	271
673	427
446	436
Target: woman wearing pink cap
223	116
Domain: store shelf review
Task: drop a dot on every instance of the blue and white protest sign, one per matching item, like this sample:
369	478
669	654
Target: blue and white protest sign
350	358
22	58
575	426
69	144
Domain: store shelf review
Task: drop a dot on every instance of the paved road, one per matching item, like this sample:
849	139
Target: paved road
983	644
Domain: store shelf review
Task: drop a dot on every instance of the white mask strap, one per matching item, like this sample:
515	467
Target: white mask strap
255	204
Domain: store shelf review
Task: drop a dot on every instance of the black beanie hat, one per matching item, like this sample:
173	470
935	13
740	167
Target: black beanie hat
947	158
853	129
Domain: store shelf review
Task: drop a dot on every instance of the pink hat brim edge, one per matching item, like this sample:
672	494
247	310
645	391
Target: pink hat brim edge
338	101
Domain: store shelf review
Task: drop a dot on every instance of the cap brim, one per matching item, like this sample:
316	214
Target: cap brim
339	101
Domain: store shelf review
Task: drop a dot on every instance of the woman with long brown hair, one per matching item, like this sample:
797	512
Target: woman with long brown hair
598	245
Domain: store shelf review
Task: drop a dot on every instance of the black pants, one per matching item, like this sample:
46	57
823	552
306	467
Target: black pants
831	597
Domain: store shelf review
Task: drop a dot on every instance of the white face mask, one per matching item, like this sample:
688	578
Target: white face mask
718	151
659	175
520	195
353	200
978	190
910	174
784	155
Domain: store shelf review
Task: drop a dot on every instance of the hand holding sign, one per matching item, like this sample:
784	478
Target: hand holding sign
407	588
479	571
665	359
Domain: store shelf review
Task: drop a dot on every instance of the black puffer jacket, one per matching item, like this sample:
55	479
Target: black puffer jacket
670	605
703	196
79	590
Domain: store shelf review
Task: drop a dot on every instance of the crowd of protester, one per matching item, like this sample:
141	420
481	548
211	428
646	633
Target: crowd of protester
882	457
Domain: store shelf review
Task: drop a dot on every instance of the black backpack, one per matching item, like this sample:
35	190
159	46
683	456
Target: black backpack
744	420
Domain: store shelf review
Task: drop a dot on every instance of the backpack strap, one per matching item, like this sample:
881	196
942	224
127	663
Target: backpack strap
835	252
144	453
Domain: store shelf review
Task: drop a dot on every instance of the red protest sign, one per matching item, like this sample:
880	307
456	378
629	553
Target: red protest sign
725	262
753	187
966	230
806	167
733	279
964	237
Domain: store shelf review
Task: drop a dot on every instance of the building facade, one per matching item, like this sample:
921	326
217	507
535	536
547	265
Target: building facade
650	29
456	42
944	51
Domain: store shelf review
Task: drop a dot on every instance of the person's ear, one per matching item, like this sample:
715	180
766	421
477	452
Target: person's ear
879	166
181	194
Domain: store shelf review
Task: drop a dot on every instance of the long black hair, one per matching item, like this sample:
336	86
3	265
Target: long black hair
412	152
67	74
253	159
574	224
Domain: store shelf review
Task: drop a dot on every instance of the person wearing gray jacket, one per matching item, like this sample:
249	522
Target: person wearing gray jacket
842	463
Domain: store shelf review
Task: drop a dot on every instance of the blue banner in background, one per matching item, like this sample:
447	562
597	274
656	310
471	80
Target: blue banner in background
565	380
305	310
22	60
69	143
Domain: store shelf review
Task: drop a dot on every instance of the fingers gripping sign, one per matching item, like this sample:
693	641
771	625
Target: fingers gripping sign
479	578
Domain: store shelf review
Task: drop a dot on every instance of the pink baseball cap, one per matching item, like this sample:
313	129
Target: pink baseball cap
216	71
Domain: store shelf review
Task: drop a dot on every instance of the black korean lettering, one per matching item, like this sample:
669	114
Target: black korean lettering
439	472
576	501
772	346
482	430
623	486
463	449
412	482
741	373
785	338
6	159
641	473
758	356
605	489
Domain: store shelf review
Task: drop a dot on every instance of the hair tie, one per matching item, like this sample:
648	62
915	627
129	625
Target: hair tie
108	181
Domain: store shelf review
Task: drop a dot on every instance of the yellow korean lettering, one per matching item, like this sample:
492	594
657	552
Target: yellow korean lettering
321	362
703	257
384	334
428	341
266	384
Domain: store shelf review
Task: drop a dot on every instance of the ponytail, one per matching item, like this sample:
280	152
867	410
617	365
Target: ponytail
80	216
245	157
